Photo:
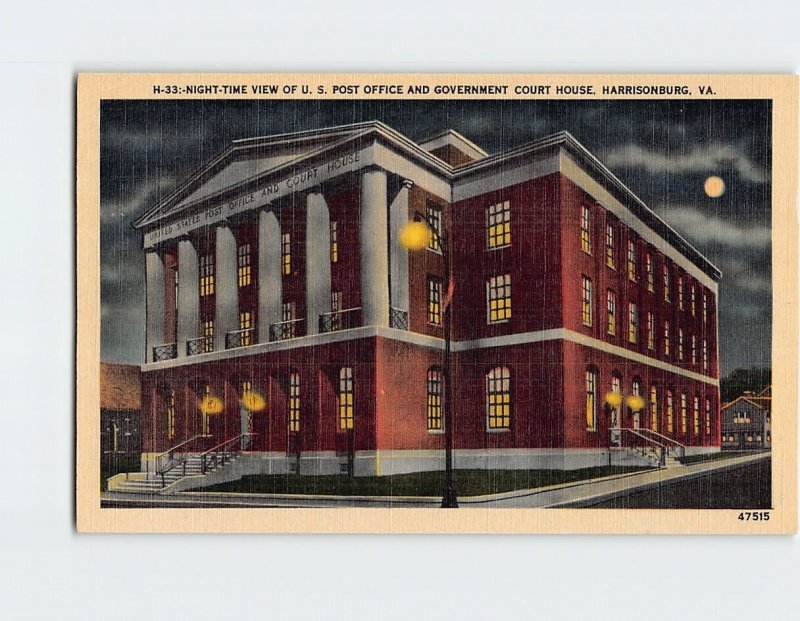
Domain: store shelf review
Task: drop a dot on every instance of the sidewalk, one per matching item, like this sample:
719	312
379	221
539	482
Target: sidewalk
543	497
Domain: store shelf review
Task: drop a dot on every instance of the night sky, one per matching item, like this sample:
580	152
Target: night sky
662	150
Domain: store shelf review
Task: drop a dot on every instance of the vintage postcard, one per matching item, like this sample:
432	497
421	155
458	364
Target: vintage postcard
436	303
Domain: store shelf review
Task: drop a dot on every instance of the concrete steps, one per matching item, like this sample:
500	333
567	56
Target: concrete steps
142	483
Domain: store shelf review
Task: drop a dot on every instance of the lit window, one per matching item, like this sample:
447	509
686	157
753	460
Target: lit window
705	308
680	293
665	272
169	403
651	274
346	398
208	335
708	417
611	312
692	304
684	420
334	242
705	356
498	398
435	301
245	323
610	259
591	399
632	261
586	239
670	412
288	314
680	344
433	216
498	225
434	415
206	275
294	401
243	273
653	408
498	294
651	332
286	253
336	306
694	349
633	323
666	339
586	307
696	416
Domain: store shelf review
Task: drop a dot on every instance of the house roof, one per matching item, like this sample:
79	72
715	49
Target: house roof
120	386
762	403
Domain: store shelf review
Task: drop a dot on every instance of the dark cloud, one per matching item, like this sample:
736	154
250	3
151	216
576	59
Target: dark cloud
662	150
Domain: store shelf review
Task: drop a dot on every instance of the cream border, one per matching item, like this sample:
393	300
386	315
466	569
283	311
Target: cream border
783	518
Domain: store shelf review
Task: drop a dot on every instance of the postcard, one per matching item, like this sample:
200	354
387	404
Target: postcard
436	303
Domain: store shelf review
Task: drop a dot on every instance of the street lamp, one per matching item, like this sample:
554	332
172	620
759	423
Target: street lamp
415	236
614	401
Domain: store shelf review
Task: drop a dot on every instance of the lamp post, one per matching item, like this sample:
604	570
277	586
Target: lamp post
415	236
614	401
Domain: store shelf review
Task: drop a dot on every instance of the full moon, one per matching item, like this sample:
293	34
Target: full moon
714	187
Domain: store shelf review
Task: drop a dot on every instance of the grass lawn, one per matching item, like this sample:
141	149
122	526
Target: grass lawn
696	459
468	482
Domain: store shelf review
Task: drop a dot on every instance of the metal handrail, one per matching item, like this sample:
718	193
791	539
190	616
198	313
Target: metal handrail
199	345
681	448
398	318
240	338
278	330
337	320
161	471
660	449
168	453
167	351
221	448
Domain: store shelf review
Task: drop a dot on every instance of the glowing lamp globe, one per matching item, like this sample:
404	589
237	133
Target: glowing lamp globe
253	401
614	399
714	187
414	235
635	402
211	405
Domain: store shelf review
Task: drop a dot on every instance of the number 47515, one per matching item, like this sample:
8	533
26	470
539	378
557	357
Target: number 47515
754	516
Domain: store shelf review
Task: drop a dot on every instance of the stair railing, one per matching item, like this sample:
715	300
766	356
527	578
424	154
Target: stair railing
166	461
651	447
674	447
220	454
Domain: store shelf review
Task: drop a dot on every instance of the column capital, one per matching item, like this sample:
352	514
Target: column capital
371	168
407	183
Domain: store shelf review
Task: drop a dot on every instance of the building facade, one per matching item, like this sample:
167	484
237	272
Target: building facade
120	416
747	422
278	289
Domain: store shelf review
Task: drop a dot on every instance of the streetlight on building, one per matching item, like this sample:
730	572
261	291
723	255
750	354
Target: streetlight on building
415	235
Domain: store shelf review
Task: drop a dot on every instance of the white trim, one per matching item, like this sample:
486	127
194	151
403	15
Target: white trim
453	138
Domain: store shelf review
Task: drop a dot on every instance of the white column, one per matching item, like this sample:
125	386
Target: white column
155	302
188	295
398	255
318	260
374	244
270	281
226	308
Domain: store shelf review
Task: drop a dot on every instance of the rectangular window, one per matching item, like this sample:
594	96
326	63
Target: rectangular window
288	314
243	272
206	274
651	332
586	225
434	415
586	308
434	301
611	313
708	417
653	408
705	308
694	349
705	356
498	294
667	294
498	399
610	258
651	274
169	402
286	253
498	225
205	427
334	242
692	303
433	216
246	323
684	419
632	261
666	339
208	334
294	401
680	292
591	400
336	306
633	323
680	344
696	416
670	413
346	398
247	391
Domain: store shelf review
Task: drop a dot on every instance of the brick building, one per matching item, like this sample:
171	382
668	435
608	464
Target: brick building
275	273
120	414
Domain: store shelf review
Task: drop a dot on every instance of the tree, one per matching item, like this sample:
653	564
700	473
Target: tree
754	379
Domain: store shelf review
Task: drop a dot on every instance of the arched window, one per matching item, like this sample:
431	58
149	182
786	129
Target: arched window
591	399
345	398
434	407
498	399
684	417
696	415
670	412
653	408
